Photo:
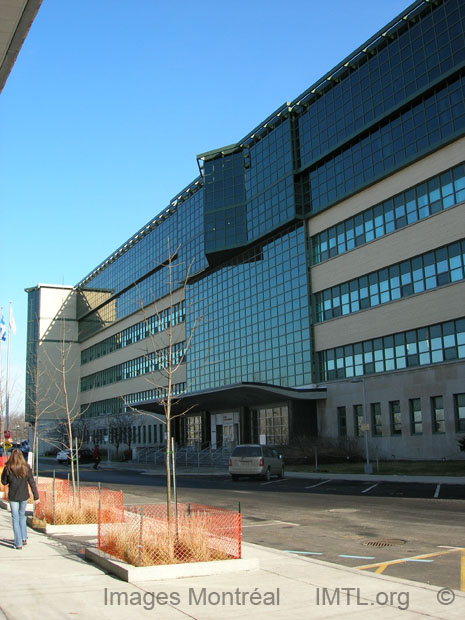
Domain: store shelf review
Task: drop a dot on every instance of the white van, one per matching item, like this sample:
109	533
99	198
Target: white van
255	460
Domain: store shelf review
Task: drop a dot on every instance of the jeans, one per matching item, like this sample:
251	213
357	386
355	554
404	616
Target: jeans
18	516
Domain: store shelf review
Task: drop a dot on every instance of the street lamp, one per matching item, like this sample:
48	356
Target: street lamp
366	426
108	438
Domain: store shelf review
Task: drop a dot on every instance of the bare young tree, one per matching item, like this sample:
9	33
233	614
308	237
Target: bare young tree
19	427
54	394
120	427
60	436
166	355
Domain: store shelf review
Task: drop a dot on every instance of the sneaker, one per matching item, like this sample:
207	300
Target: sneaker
24	542
18	548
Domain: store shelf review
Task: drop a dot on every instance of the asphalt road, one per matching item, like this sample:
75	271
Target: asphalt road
410	530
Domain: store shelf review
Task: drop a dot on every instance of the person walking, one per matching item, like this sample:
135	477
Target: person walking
96	456
18	475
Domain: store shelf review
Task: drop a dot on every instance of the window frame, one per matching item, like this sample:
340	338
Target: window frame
413	422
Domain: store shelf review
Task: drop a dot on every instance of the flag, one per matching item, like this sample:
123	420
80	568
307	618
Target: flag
2	329
12	321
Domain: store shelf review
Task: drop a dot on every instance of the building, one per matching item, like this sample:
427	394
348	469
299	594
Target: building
326	252
16	17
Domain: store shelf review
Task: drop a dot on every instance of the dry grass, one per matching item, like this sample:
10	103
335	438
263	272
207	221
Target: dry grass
63	507
159	543
72	513
75	512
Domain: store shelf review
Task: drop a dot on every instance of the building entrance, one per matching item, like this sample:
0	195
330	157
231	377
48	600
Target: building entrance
226	430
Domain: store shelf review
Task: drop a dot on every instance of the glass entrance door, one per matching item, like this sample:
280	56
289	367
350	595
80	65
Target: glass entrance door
230	435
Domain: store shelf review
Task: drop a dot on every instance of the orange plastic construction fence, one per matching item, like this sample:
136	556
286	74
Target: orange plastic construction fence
145	536
84	505
3	487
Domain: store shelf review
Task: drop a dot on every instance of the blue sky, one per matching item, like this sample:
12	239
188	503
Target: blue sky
110	101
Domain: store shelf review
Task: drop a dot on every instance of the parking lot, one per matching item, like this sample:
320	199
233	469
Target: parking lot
412	530
376	488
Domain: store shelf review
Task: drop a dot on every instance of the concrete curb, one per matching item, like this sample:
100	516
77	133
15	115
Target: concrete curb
132	574
356	572
157	470
67	529
5	505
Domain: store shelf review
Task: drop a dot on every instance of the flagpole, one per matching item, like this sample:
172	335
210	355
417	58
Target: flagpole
1	391
7	394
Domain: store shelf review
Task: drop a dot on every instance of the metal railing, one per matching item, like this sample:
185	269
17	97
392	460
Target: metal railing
187	456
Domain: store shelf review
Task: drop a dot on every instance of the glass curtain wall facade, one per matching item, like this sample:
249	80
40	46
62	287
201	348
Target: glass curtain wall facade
256	324
137	274
258	222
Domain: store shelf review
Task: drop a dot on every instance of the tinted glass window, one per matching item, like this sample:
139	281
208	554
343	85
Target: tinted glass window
247	451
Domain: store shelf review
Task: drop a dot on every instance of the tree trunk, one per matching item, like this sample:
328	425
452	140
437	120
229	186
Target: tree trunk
168	470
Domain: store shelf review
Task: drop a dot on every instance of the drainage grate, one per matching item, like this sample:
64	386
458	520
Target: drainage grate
386	542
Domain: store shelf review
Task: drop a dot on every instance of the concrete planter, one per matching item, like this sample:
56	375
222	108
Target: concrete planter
80	529
68	529
131	574
5	505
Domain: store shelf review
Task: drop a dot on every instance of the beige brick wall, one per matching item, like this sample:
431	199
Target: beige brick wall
427	308
432	232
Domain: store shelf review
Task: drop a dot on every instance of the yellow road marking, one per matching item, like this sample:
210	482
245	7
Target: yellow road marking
462	571
380	566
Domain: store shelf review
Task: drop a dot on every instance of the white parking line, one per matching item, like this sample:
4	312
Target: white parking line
369	488
273	481
317	485
436	493
358	557
257	524
267	523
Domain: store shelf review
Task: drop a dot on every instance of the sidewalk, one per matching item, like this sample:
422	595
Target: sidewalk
46	580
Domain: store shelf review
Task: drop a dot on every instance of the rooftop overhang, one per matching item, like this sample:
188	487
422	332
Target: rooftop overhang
234	396
16	17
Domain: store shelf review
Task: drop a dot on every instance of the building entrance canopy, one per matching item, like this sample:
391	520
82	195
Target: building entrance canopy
235	396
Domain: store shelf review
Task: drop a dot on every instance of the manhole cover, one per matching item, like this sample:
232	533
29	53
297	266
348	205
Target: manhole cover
384	542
